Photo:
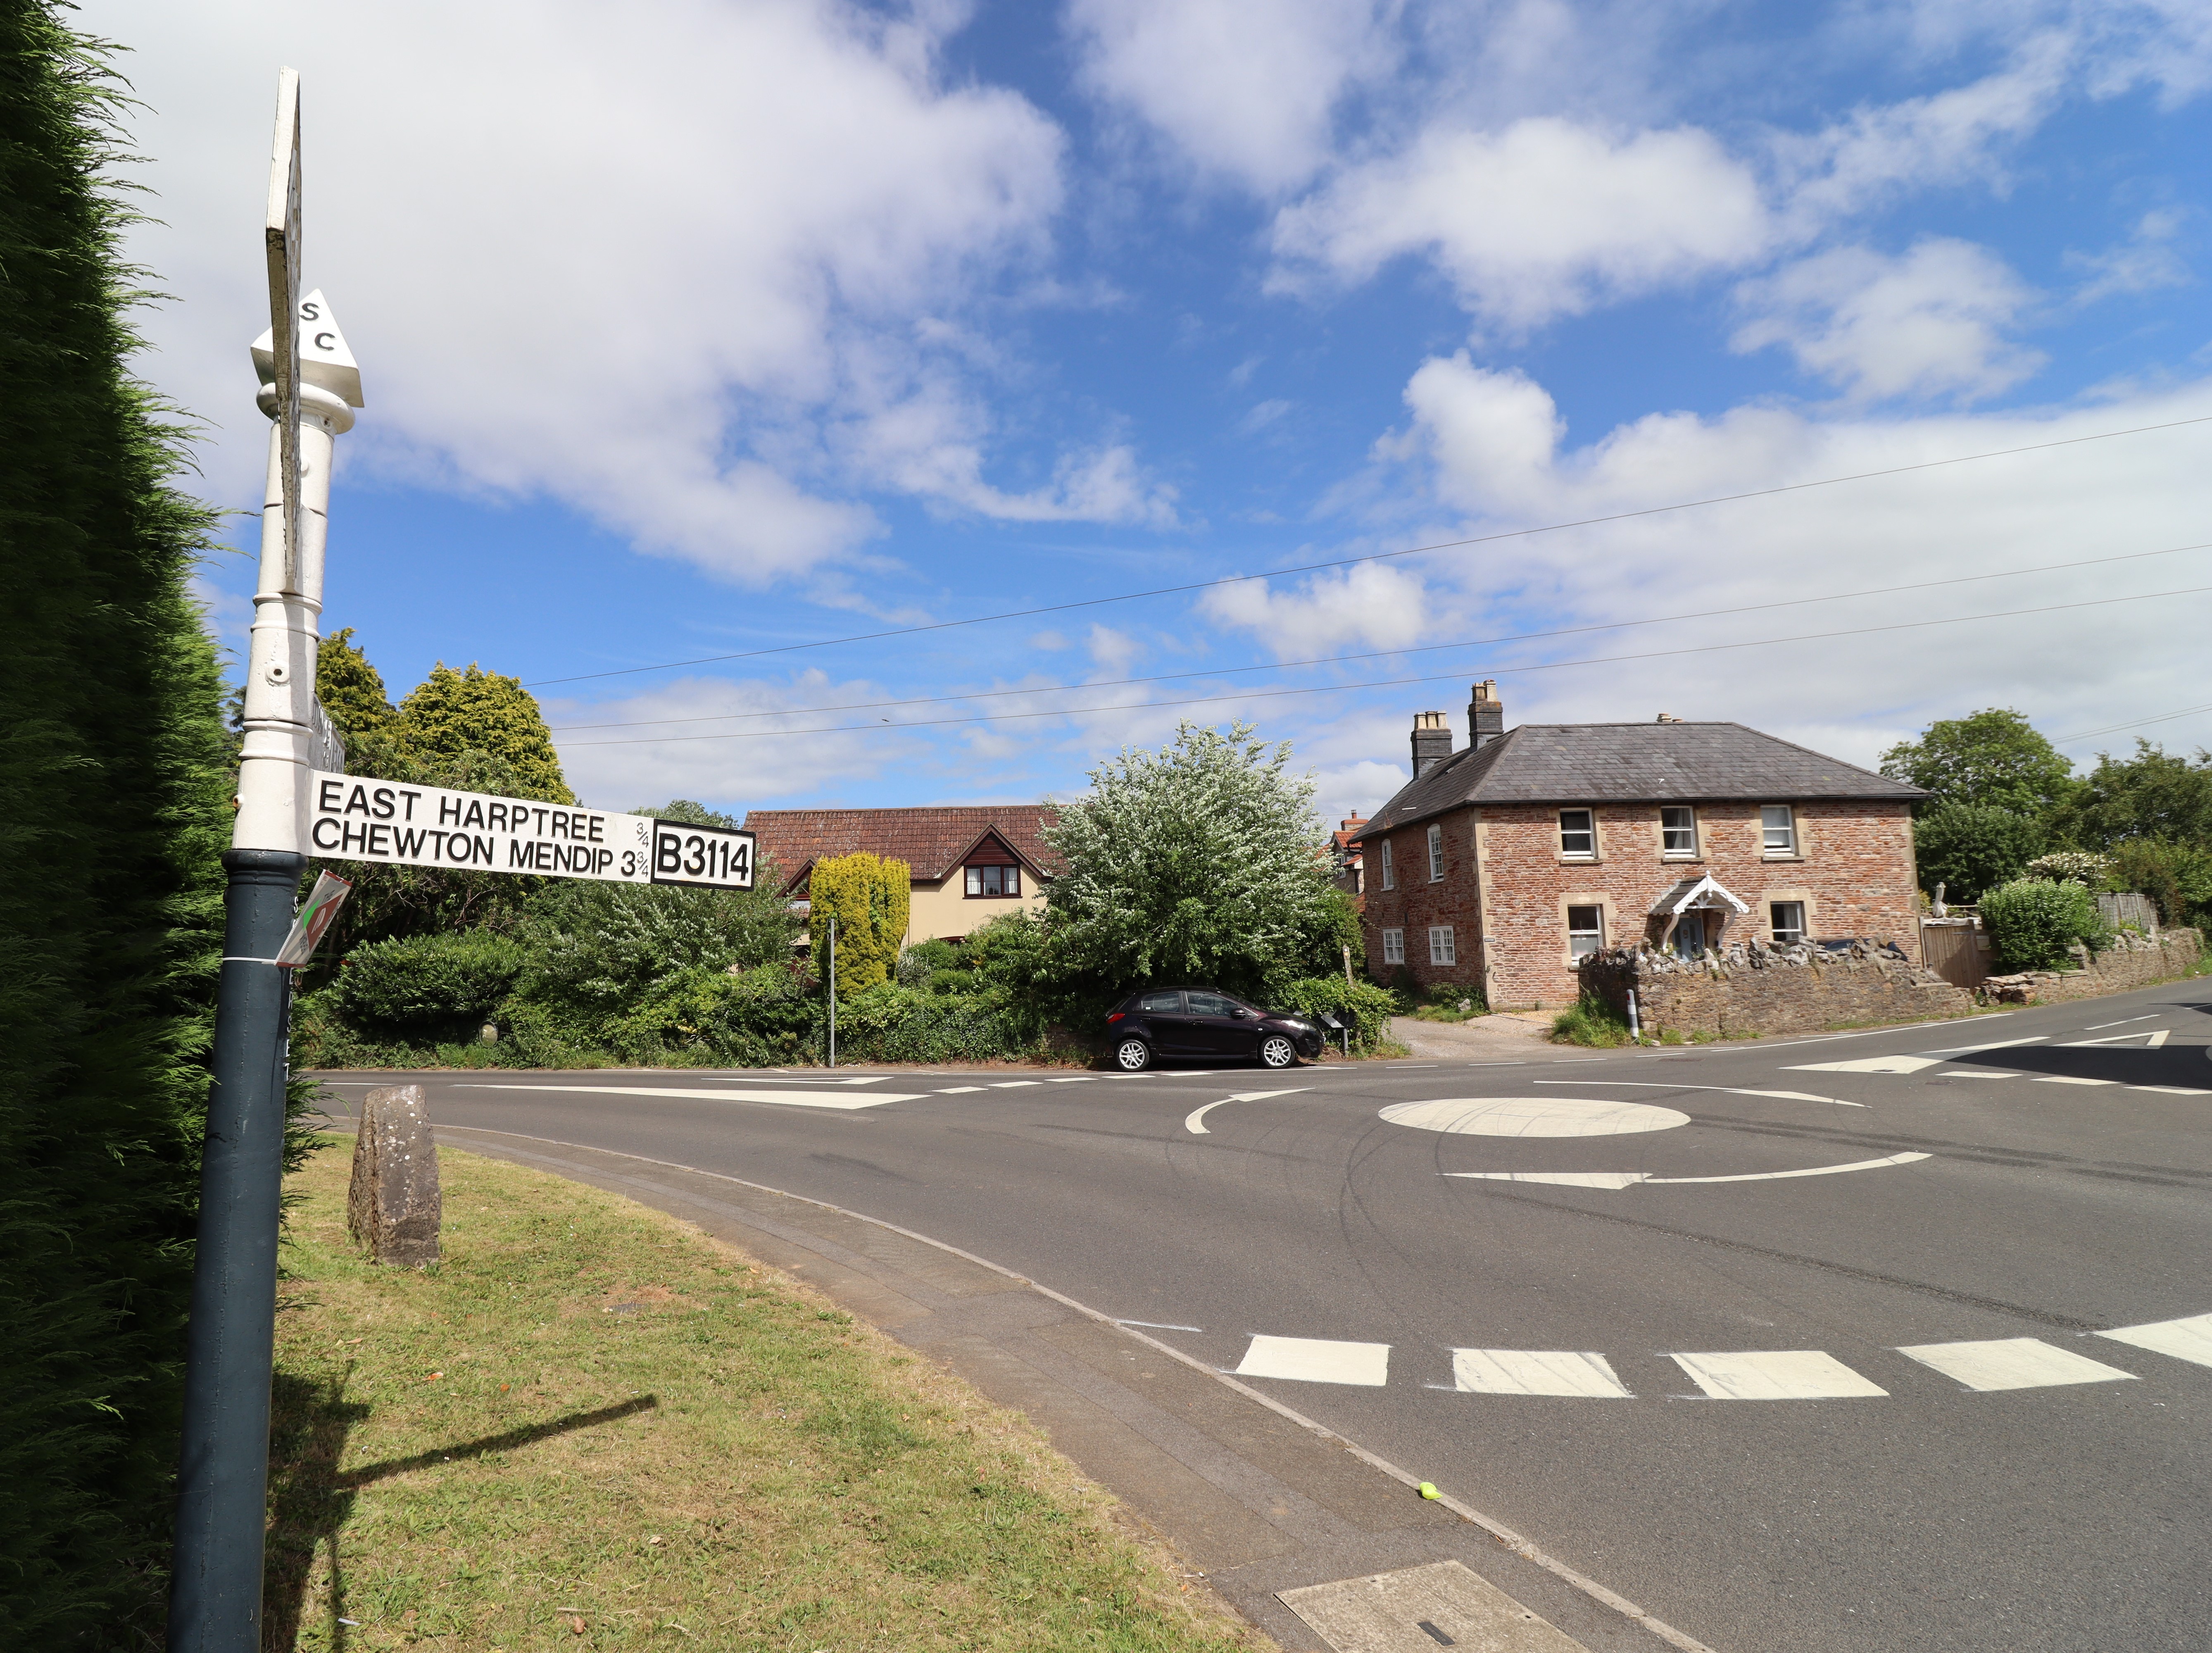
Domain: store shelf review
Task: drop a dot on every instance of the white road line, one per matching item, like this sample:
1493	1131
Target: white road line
2174	1090
1813	1170
1733	1090
1775	1375
1534	1371
1159	1326
1192	1122
2068	1078
844	1099
2094	1027
1980	1074
956	1091
1013	1084
1564	1179
2013	1363
2157	1040
1079	1078
2184	1339
1316	1360
1969	1049
1868	1033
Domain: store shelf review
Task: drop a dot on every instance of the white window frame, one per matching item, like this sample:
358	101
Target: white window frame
1444	948
1594	937
1589	827
1389	867
1777	928
1778	830
1436	854
1668	849
1393	946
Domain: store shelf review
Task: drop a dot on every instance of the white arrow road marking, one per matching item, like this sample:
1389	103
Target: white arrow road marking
1534	1371
1871	1065
2184	1339
1733	1090
1969	1049
1630	1179
845	1099
2013	1363
1316	1360
1194	1126
2096	1026
2157	1040
1775	1375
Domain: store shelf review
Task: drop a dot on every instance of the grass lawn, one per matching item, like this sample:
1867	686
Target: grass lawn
592	1427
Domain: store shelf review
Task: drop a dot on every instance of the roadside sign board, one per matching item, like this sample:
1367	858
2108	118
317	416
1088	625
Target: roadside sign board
307	926
352	818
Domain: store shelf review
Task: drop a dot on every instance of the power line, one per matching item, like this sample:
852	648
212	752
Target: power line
1379	654
1390	683
1379	557
2114	728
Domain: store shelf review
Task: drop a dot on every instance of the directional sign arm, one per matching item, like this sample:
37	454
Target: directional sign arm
281	240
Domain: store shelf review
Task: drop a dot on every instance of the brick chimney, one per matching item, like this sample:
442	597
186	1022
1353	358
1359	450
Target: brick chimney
1432	742
1485	713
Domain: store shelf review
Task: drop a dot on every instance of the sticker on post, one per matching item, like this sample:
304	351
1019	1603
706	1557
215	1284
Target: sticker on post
323	903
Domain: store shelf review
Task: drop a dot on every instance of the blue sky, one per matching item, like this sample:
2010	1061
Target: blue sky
762	323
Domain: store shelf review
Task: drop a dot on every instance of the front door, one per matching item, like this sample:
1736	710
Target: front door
1690	934
1221	1026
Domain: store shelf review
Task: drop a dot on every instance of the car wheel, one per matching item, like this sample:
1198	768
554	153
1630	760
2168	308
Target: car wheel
1276	1051
1133	1055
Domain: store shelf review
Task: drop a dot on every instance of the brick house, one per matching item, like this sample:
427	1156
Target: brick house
970	862
1499	864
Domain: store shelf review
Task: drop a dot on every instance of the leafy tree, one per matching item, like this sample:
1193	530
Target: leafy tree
351	690
1203	862
450	713
870	897
1970	848
1993	758
2178	878
114	793
2153	794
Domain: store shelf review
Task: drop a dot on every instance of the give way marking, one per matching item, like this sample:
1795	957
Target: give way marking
1630	1179
843	1099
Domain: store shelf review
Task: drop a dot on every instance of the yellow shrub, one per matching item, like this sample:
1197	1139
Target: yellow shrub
869	898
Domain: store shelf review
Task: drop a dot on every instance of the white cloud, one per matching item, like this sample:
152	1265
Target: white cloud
632	268
1929	322
2145	262
1112	652
1377	605
1244	89
1547	218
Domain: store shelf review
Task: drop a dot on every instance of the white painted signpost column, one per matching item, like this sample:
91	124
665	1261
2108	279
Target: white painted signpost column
292	803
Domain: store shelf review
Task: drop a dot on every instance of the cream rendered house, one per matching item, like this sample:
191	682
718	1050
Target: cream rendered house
971	862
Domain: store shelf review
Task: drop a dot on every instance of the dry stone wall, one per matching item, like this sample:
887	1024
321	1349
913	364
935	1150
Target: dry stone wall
1753	988
2132	961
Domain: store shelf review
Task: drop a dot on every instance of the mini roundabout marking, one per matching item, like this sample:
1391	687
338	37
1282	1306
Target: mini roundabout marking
1588	1116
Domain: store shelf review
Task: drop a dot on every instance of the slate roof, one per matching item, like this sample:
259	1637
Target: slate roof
932	841
1634	763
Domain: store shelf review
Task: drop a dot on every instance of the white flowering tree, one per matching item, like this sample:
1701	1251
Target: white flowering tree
1202	862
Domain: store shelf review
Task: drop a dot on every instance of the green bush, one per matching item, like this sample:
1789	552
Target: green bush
1364	1007
1590	1022
2178	878
595	949
1970	848
2032	922
442	984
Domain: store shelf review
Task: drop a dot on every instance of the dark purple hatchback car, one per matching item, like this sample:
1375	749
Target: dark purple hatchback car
1208	1023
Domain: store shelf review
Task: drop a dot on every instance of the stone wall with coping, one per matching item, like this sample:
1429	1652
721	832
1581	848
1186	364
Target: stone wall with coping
2132	961
1752	988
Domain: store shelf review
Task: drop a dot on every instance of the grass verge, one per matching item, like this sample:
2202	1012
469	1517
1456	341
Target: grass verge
590	1426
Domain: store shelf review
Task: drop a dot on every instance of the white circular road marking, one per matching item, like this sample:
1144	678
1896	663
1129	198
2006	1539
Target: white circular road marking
1534	1116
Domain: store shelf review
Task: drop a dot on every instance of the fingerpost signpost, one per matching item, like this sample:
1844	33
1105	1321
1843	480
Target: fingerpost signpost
294	801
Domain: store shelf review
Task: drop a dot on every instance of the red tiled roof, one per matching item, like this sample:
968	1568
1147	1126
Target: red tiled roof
932	841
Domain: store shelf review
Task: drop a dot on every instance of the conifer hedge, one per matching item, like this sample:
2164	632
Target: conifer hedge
114	790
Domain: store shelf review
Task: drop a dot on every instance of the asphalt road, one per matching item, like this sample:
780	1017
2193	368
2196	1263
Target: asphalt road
1746	1448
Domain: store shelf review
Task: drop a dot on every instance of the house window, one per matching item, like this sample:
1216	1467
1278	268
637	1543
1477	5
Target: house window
1440	948
1436	854
1389	867
1577	835
994	880
1585	930
1393	946
1777	824
1789	920
1678	832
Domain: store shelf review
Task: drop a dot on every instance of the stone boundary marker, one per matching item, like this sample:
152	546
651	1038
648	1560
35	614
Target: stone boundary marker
393	1208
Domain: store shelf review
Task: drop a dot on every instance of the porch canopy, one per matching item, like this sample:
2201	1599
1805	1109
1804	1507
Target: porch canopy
1706	893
